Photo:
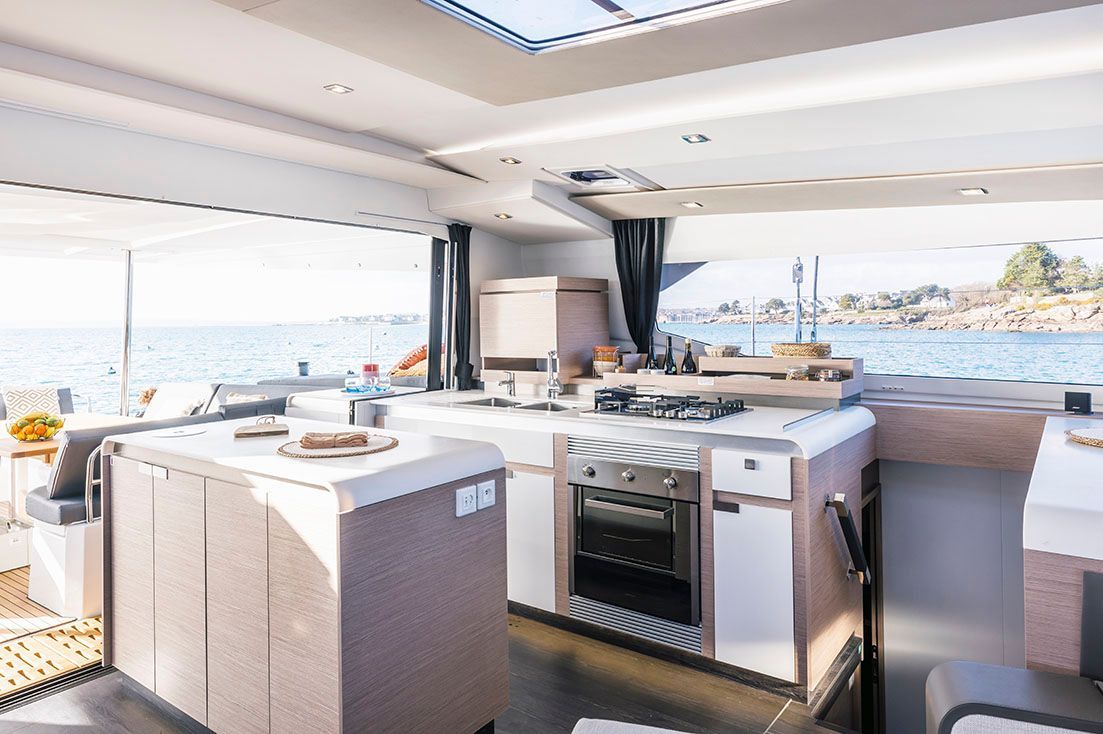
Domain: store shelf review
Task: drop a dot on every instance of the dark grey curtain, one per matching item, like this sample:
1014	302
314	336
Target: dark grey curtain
460	235
638	244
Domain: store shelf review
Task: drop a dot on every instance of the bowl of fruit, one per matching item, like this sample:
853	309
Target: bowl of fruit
35	427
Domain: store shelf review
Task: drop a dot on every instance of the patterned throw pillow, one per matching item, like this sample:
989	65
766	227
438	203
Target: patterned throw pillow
22	400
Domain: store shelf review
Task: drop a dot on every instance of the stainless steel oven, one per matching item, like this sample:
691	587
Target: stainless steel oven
636	539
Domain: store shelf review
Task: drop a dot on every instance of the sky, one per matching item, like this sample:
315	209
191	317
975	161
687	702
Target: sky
65	292
721	281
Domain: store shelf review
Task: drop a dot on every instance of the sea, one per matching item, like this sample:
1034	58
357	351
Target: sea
83	359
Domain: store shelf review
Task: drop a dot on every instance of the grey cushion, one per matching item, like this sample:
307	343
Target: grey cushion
67	478
62	511
274	402
64	399
272	406
302	383
957	691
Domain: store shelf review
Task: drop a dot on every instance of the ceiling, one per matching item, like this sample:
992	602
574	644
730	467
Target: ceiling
807	90
48	223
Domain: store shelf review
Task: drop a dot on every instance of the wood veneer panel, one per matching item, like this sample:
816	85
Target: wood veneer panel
959	436
708	564
129	570
237	609
304	639
1054	593
180	614
563	527
833	600
424	613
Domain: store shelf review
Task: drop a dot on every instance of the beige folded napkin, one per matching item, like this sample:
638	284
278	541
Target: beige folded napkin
333	440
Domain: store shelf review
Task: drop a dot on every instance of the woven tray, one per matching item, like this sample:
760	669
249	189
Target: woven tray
811	350
1087	436
376	444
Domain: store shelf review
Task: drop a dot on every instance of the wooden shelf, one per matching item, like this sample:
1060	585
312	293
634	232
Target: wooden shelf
724	378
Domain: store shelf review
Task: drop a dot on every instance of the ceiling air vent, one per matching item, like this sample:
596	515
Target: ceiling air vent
602	177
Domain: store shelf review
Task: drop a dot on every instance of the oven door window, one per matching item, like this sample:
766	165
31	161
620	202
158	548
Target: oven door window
627	527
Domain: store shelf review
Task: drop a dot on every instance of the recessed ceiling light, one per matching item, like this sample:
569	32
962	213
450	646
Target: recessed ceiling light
510	161
976	191
503	215
695	138
337	88
693	205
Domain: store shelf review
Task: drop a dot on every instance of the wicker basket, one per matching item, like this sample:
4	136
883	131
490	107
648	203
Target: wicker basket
722	350
814	350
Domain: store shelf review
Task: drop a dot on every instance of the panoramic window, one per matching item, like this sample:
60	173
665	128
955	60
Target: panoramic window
219	297
1031	312
534	25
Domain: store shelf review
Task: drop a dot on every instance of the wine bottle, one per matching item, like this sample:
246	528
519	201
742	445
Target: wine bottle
669	366
689	365
652	362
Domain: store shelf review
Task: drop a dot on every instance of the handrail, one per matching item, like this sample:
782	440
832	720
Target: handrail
90	483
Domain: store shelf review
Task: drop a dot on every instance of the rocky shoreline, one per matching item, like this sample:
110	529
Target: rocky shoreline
1046	317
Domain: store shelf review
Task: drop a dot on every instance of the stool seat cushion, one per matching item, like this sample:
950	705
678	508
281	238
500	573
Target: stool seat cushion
599	726
58	510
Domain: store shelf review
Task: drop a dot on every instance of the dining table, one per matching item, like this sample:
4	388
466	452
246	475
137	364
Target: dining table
17	454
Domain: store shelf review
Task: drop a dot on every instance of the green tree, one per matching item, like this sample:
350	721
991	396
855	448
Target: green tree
1034	266
1075	275
848	302
735	307
774	305
724	308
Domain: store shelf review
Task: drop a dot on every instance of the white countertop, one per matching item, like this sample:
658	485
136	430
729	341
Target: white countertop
1064	505
418	462
807	432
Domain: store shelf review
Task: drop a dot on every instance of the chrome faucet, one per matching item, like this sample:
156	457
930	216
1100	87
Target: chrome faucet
554	385
511	384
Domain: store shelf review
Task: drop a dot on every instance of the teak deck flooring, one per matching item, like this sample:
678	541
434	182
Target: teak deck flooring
18	614
556	678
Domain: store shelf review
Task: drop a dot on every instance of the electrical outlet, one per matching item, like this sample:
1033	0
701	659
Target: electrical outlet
465	501
485	495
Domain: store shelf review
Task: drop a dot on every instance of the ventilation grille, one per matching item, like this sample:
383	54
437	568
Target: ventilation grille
634	623
667	456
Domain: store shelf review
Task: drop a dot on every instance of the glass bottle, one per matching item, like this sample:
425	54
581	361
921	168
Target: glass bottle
669	366
689	365
652	361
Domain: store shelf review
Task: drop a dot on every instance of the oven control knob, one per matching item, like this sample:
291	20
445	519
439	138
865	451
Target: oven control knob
670	482
588	471
628	476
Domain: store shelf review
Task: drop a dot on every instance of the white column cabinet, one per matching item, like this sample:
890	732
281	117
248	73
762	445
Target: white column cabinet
530	539
753	567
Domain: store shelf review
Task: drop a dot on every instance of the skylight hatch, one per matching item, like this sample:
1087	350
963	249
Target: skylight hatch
542	25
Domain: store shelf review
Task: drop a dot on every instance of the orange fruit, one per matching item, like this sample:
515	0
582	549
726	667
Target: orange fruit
40	429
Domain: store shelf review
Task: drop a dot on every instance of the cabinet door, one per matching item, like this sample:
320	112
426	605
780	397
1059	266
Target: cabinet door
753	566
517	324
530	539
237	609
180	614
130	624
304	644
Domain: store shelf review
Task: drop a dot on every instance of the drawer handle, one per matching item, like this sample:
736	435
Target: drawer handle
629	509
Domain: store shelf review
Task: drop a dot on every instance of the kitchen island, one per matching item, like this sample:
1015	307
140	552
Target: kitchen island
261	593
733	510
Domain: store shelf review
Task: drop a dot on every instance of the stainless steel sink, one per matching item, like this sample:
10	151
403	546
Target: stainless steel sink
546	406
492	403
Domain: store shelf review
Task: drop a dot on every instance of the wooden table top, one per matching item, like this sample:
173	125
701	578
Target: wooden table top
12	449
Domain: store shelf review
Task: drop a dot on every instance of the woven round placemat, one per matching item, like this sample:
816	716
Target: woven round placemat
1085	440
293	450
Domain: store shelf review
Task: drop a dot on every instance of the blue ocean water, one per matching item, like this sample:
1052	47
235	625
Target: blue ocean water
81	358
989	355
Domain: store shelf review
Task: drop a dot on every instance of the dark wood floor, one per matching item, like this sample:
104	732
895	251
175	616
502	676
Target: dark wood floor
556	678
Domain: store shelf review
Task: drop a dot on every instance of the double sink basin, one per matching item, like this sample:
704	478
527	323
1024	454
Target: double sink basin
545	406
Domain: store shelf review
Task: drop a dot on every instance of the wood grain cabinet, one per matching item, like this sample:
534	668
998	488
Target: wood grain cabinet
753	577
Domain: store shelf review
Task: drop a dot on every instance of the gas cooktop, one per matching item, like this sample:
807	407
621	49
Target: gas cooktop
626	401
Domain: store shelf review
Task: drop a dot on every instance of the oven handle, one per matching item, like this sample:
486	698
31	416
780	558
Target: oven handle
599	504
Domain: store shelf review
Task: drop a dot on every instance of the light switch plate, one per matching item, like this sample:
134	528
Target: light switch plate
485	495
465	501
